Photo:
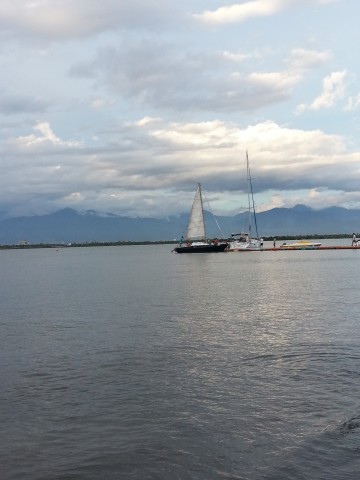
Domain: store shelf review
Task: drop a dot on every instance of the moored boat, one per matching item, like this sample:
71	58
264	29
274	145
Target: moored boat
244	240
195	239
300	245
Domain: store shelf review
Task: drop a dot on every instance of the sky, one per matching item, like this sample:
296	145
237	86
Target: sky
123	106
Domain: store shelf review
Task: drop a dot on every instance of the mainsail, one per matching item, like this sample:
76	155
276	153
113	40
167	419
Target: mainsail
196	227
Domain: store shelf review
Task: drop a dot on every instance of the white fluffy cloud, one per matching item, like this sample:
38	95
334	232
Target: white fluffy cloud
46	138
241	12
333	90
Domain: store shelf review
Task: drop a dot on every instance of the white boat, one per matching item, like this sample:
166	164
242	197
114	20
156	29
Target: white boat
195	240
244	240
300	245
355	241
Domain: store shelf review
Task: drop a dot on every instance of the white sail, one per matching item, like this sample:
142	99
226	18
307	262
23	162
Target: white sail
196	227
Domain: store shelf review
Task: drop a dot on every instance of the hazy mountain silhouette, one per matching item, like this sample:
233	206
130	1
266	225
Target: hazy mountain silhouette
68	225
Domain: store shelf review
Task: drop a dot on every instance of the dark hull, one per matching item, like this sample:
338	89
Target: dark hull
201	248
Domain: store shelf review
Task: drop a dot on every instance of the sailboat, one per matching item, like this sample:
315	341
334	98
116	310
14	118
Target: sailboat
244	241
195	239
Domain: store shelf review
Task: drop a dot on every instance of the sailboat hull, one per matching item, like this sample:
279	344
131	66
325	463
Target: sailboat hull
201	248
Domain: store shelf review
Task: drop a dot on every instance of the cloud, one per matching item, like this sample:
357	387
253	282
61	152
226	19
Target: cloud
15	105
241	12
353	103
301	59
69	19
47	138
315	198
100	103
333	91
166	78
143	162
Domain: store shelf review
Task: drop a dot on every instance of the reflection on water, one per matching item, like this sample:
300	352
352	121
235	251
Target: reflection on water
133	362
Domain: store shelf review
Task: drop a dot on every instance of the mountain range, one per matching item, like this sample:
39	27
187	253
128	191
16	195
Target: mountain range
68	225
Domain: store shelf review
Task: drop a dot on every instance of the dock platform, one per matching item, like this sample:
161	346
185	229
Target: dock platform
278	249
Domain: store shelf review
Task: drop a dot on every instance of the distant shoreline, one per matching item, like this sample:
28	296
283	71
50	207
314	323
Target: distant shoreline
160	242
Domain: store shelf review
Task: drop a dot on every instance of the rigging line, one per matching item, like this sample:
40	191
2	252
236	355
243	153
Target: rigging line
212	213
248	190
252	195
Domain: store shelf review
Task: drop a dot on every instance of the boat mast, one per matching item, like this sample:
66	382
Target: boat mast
249	192
252	195
202	209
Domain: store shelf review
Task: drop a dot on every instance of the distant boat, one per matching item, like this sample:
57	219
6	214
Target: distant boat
244	240
195	240
300	245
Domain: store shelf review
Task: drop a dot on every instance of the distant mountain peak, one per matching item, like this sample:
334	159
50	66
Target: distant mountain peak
95	213
301	208
64	212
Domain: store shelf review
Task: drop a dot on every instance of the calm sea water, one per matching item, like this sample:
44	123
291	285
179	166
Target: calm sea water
137	363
